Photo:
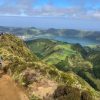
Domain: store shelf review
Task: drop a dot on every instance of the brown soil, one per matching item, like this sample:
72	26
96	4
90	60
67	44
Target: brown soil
9	90
44	89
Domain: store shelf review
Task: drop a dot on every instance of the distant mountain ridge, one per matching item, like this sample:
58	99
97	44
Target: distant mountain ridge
70	35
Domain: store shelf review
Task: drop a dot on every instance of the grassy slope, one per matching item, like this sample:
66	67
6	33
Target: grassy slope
67	57
18	58
54	52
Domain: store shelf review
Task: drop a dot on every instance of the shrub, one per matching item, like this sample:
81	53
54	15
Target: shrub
86	96
70	93
66	93
34	98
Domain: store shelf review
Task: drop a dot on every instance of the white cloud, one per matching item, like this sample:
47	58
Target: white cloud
25	8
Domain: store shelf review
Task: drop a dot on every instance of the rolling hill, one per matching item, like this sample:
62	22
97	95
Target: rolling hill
69	57
39	79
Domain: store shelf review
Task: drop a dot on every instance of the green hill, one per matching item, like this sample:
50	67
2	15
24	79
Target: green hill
68	57
55	52
37	77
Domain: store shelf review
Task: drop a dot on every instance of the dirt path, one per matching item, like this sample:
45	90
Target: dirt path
9	90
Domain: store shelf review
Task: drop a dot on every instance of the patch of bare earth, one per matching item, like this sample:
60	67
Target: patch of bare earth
9	90
43	89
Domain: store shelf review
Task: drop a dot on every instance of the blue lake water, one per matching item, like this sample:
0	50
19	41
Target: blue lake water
82	41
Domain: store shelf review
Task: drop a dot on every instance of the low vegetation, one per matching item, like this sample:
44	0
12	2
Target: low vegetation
28	70
69	93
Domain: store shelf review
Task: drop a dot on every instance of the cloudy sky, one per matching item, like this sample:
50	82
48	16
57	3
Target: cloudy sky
80	14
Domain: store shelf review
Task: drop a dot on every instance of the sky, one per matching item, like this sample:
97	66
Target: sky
78	14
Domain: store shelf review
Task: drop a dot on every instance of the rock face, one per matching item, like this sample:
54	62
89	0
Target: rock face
9	90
